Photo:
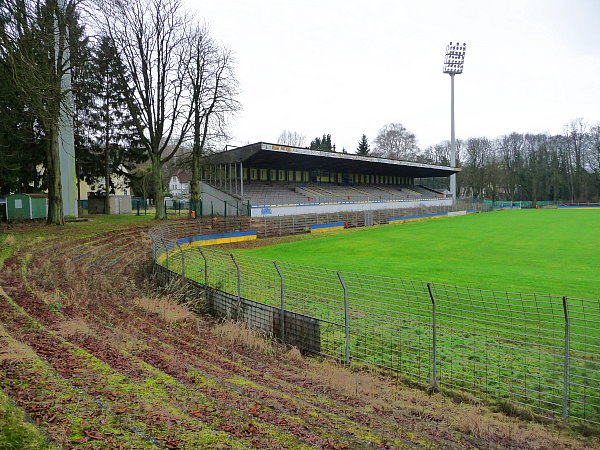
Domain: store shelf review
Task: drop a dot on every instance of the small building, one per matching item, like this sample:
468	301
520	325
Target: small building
179	184
26	206
119	204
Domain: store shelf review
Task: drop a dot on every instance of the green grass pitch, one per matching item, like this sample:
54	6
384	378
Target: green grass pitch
510	348
530	251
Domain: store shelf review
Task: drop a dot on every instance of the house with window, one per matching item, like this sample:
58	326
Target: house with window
179	184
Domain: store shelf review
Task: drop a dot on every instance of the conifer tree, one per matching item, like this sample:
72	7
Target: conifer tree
363	146
108	142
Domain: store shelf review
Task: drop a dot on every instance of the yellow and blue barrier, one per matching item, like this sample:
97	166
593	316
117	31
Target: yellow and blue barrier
597	207
206	239
327	227
417	218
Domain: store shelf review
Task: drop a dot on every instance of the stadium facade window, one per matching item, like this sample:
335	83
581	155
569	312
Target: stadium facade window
272	175
263	174
281	175
245	173
253	174
299	176
291	175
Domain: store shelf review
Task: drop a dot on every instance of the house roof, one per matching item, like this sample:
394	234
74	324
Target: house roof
183	175
275	156
30	195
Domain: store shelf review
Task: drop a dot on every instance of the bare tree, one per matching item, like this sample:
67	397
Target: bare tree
34	39
291	138
595	158
394	141
151	38
576	131
214	88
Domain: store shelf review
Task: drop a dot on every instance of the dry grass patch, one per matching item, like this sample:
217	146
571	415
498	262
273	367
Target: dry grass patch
238	333
12	350
171	312
73	327
385	395
294	355
10	240
363	385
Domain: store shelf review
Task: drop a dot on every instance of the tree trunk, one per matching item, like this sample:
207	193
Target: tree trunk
195	185
55	209
106	181
196	154
159	197
107	158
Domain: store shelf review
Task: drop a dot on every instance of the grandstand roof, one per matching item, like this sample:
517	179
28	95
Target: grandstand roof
275	156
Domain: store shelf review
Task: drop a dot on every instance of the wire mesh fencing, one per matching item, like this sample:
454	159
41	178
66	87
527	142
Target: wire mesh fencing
541	353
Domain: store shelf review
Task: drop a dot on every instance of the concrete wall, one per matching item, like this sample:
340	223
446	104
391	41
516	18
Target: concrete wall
300	331
213	202
119	204
273	211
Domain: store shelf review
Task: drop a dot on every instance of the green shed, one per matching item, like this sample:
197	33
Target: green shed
26	206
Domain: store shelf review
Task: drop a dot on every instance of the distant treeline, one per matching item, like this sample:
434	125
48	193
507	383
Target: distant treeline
532	167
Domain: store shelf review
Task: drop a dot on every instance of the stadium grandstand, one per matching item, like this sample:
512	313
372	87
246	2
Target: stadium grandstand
264	179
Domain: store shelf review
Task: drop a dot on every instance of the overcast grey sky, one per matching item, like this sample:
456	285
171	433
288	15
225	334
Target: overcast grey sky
348	67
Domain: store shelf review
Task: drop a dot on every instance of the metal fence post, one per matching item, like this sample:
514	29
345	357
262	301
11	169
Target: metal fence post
182	260
167	253
239	286
282	301
566	362
205	267
346	320
434	338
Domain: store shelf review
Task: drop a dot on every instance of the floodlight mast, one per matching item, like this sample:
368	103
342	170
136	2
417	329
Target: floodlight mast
453	65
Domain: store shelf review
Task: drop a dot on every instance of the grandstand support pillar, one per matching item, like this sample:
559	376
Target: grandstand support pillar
565	412
241	179
346	320
282	301
434	338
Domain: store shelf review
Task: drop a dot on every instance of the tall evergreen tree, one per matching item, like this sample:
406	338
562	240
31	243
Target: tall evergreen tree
108	141
363	146
21	140
322	144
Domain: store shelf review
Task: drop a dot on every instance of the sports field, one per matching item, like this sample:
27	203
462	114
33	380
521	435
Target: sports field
530	251
507	347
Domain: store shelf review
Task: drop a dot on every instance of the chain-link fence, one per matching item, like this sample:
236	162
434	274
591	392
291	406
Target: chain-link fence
541	353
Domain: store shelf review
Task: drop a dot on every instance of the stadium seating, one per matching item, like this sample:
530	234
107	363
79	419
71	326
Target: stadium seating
266	193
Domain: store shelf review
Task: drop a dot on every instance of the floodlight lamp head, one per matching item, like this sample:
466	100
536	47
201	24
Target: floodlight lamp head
455	58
